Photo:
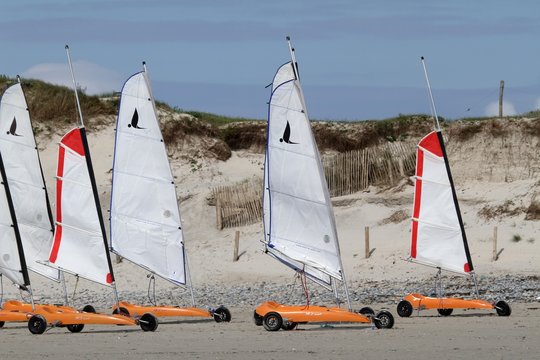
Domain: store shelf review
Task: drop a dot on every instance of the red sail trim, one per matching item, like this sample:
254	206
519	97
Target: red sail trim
58	228
414	238
466	268
431	143
73	141
109	278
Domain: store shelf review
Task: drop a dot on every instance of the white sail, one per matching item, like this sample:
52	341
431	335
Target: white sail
26	183
79	240
438	236
298	217
11	263
145	219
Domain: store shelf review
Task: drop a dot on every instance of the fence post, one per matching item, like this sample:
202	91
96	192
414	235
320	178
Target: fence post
366	237
236	245
495	255
401	170
218	214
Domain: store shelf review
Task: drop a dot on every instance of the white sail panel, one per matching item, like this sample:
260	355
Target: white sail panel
27	187
438	238
299	221
78	245
10	264
145	219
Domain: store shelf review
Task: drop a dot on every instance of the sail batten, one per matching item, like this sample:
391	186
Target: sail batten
298	218
26	182
438	234
145	219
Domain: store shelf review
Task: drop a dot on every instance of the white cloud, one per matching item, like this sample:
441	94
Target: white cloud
92	78
492	109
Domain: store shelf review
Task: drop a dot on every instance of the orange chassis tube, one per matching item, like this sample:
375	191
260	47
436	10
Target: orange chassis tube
16	311
445	305
274	316
161	311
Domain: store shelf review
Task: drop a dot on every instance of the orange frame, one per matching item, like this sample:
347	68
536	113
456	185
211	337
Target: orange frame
162	311
422	302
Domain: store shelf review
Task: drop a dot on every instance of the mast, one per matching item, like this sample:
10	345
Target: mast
93	179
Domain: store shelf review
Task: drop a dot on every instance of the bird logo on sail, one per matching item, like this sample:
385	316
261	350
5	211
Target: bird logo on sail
13	128
135	120
287	135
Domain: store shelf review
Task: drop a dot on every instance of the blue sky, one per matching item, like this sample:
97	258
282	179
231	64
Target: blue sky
358	59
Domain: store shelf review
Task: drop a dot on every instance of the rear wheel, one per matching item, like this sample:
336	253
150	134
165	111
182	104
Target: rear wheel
148	322
123	311
503	309
222	314
289	325
89	309
366	310
75	328
445	312
272	321
384	320
37	324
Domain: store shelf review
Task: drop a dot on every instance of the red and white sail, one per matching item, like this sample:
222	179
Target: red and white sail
79	240
145	219
26	183
438	235
299	221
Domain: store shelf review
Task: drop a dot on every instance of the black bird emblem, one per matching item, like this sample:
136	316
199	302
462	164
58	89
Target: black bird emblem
287	135
135	120
13	128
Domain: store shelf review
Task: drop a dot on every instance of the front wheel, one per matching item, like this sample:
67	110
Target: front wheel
222	314
37	324
257	319
384	320
148	322
272	321
75	328
89	309
445	312
502	308
404	308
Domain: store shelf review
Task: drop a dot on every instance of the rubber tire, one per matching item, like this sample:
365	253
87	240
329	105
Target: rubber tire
37	324
123	311
505	309
75	328
384	320
89	309
272	321
148	322
445	312
289	325
222	314
404	308
257	319
2	324
366	310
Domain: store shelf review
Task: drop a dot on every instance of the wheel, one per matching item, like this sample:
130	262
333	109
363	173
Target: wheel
404	308
89	309
503	309
148	322
272	321
75	328
123	311
37	324
445	312
222	314
258	319
289	325
384	320
366	310
2	324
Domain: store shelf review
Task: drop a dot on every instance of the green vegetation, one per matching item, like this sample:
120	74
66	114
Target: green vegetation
214	119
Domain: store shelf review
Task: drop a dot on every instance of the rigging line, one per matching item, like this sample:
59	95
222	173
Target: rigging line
291	151
75	288
164	181
298	197
287	108
152	281
143	221
140	135
34	147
